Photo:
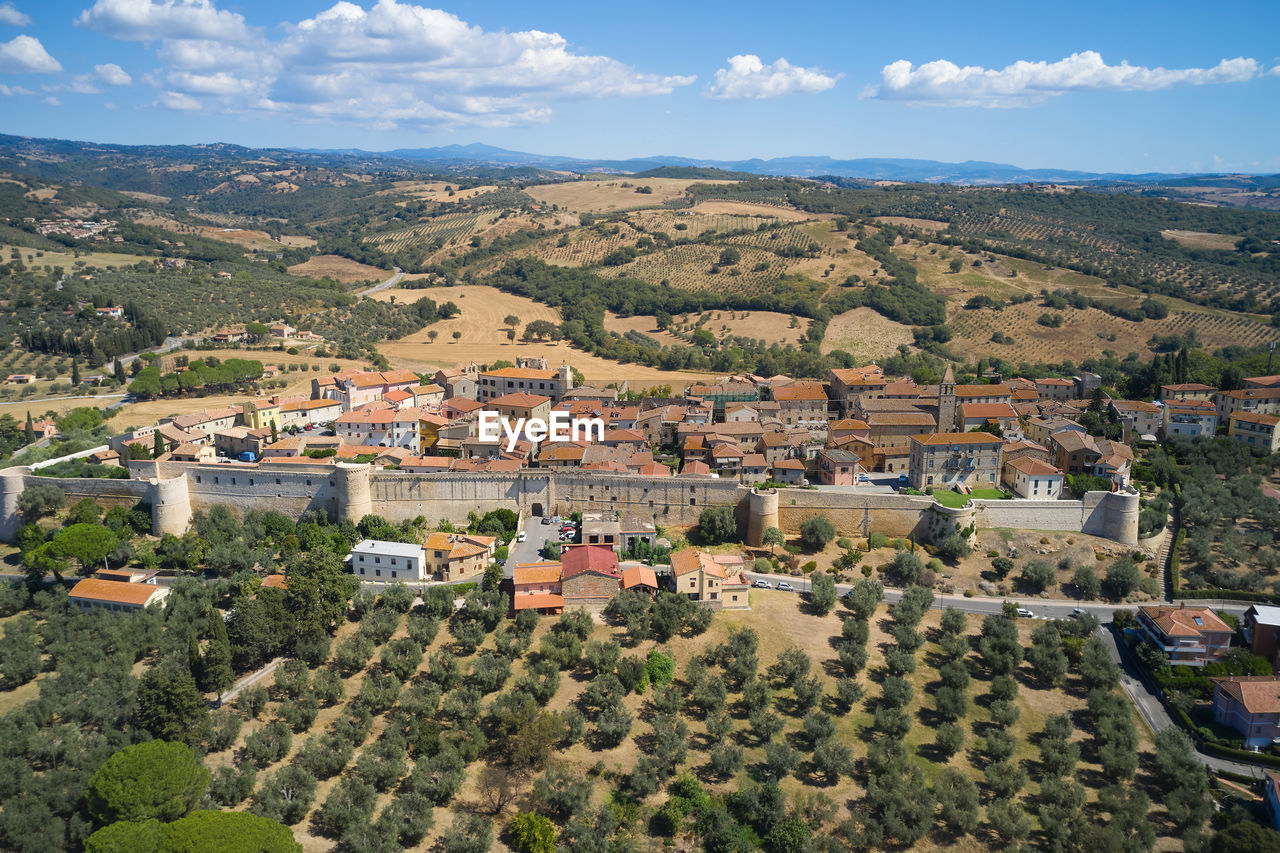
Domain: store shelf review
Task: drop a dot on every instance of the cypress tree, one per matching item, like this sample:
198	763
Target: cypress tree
216	669
75	372
29	432
157	446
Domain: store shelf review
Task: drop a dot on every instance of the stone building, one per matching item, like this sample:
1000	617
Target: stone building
958	459
589	576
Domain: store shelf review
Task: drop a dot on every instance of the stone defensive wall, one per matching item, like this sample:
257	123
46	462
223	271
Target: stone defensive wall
175	490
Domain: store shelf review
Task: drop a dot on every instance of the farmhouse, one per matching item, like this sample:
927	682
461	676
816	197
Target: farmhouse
453	556
699	577
116	596
589	576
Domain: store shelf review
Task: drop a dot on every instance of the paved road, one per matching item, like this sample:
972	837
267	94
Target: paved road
1050	608
171	343
1142	692
391	282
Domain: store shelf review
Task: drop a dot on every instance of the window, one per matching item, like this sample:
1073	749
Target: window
693	582
393	574
277	481
377	572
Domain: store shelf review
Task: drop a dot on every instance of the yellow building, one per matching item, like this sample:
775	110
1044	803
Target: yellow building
262	413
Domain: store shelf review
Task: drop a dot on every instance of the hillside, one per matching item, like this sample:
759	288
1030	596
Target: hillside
684	269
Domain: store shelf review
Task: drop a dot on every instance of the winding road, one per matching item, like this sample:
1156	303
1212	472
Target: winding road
391	282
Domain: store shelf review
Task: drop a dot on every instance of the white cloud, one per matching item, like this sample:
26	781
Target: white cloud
25	53
147	20
177	101
1024	83
749	78
52	101
393	64
10	15
14	91
112	74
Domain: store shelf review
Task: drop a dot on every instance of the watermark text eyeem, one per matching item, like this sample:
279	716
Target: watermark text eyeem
560	427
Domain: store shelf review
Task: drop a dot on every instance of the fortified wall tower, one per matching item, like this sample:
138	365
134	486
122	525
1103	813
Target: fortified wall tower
12	482
170	501
762	513
354	491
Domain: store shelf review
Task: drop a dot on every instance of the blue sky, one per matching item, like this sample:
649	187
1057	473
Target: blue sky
1099	86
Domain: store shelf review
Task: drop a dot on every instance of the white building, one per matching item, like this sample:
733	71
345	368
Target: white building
1035	479
380	428
389	562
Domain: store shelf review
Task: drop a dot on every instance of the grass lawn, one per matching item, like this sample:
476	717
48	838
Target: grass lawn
955	500
946	497
990	494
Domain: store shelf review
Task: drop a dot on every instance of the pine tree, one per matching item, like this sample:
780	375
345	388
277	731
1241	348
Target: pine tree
29	431
75	372
216	671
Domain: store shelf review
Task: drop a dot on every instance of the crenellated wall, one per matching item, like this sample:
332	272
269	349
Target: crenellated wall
176	490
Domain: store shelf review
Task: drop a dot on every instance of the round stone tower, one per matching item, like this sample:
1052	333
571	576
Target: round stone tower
170	505
762	513
354	491
12	482
1121	519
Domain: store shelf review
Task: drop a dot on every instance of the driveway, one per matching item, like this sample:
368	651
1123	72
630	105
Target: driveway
537	534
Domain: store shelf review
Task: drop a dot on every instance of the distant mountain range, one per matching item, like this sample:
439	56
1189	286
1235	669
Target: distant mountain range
868	168
110	164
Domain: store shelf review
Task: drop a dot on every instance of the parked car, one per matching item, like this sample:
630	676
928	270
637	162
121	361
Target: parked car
1024	612
546	520
1077	612
521	536
783	586
309	427
762	584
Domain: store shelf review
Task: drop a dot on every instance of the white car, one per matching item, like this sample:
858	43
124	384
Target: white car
521	536
762	584
783	586
1022	611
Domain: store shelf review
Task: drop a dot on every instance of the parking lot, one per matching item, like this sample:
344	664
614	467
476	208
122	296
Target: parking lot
536	535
